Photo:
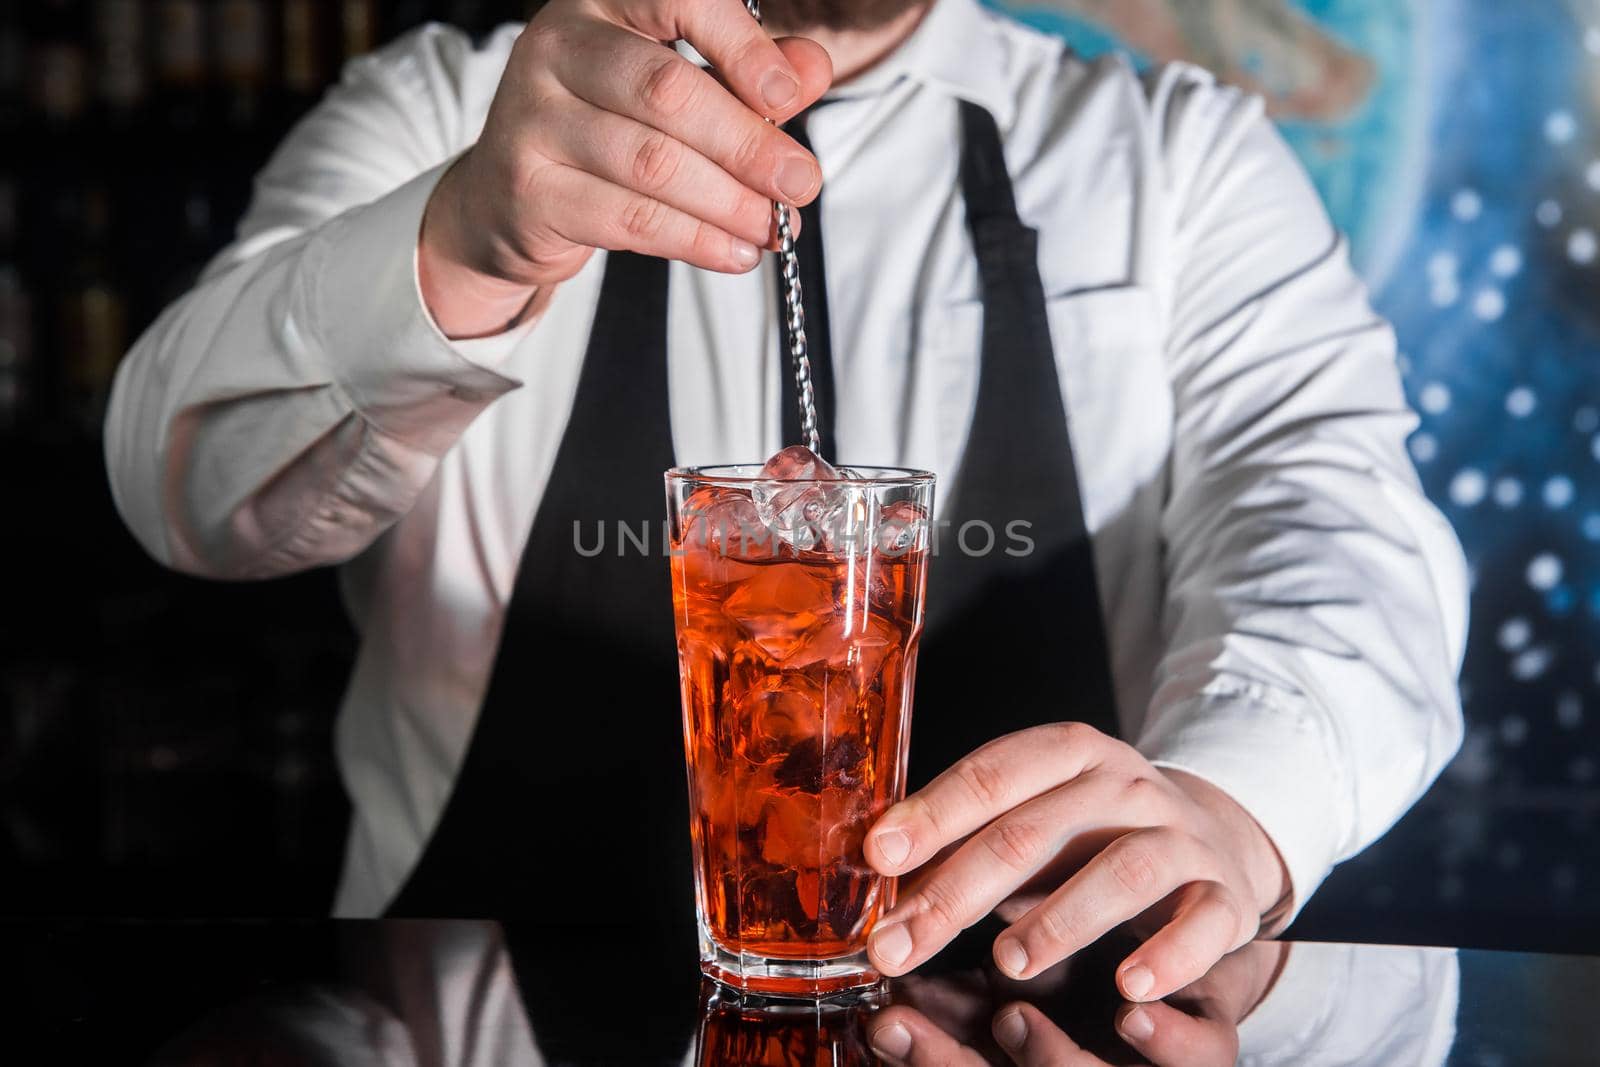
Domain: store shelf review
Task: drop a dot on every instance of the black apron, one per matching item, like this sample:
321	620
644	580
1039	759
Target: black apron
571	803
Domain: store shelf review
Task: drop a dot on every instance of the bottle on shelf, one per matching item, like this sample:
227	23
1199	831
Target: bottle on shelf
58	62
305	54
16	318
359	27
121	55
93	316
242	46
182	60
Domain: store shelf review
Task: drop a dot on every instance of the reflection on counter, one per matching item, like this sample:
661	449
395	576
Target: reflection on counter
462	994
754	1031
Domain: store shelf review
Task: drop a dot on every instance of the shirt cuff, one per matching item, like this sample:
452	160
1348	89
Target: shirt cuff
386	353
1272	756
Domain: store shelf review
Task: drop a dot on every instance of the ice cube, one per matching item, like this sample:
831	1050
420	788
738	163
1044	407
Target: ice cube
861	651
855	705
848	882
777	606
781	712
792	834
796	503
714	793
845	813
799	463
725	522
902	528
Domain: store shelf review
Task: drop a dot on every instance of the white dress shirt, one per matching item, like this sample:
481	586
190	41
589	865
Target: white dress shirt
1286	611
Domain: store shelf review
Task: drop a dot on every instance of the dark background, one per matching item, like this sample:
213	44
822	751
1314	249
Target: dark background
166	743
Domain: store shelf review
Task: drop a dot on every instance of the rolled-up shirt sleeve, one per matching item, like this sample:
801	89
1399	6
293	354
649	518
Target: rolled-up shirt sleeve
289	408
1315	610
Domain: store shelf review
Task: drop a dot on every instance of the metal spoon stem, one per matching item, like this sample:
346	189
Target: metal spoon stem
794	313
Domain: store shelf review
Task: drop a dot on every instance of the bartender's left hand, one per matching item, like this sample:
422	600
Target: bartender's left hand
1067	834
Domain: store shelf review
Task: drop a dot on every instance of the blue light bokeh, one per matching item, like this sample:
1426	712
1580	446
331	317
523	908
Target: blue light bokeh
1468	178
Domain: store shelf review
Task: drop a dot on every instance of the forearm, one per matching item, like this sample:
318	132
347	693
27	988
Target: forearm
290	408
1316	602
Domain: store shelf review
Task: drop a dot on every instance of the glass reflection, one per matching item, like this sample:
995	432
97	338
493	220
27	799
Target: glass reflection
739	1030
461	994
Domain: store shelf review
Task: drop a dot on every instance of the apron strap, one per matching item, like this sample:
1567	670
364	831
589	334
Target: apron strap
1013	640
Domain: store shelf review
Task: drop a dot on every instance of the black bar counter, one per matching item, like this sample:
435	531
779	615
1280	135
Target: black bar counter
476	993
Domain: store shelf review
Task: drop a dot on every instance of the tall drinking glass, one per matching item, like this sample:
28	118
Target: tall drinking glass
799	607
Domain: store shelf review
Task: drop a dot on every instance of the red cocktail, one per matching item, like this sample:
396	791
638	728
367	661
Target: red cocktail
799	608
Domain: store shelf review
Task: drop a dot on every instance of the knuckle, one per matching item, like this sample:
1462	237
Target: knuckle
1134	868
1057	928
642	218
709	245
1080	732
1229	911
541	38
943	903
754	216
755	50
1141	792
751	151
984	781
1070	735
656	161
1239	920
928	816
1180	961
1015	843
1073	730
668	87
522	173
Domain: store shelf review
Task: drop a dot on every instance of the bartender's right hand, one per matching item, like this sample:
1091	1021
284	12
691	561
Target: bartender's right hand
602	136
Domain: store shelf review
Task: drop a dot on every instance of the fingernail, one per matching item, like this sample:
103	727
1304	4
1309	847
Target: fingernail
1011	956
796	178
1138	1025
895	845
892	943
778	89
745	254
1136	981
1011	1030
893	1041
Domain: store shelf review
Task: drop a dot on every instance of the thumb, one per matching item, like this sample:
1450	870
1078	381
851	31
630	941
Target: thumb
811	62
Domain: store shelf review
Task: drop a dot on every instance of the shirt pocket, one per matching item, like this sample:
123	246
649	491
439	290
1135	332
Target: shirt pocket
1108	346
1103	338
1111	361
